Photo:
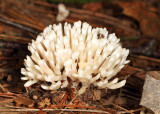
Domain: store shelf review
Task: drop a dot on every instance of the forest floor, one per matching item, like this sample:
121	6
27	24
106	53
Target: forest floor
136	23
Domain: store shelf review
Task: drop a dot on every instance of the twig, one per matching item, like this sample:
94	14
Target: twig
1	58
127	111
14	38
22	22
131	97
8	96
134	71
146	58
69	103
64	99
79	11
10	107
3	89
105	21
51	110
41	10
67	106
6	101
7	44
136	110
18	25
94	15
26	17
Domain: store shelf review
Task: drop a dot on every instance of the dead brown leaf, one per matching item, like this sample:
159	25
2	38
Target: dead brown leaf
92	95
22	100
47	101
93	6
97	95
41	104
144	14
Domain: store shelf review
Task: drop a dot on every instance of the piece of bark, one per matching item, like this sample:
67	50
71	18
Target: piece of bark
151	92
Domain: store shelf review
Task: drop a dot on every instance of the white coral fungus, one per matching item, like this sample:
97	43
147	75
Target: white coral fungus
84	54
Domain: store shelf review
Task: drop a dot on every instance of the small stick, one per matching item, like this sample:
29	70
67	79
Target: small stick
7	44
51	110
69	103
14	38
27	16
131	97
136	110
14	13
40	10
8	96
127	111
6	101
1	58
64	99
115	24
80	106
102	17
146	58
22	22
18	26
3	89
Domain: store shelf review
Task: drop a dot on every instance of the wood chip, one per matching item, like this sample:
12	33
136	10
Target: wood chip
151	92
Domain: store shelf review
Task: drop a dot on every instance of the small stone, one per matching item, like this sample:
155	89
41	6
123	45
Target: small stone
35	97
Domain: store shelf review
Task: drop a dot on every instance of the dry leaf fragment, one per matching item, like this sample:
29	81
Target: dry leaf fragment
148	20
92	95
44	102
47	101
41	104
151	92
22	100
3	89
57	97
97	95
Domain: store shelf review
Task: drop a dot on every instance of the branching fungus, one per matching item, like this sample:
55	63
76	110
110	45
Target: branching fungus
84	54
